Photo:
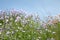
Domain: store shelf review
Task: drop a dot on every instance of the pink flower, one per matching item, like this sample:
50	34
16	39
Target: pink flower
17	18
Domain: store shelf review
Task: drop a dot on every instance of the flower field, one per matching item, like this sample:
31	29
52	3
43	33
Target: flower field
16	25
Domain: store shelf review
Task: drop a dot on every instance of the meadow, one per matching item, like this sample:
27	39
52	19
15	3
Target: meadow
16	25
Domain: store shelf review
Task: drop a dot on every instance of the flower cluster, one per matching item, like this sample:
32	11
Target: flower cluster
16	25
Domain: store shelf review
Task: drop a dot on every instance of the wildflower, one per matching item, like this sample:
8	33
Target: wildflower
23	31
53	32
7	20
24	21
8	32
39	37
46	29
37	19
0	32
29	16
0	23
12	32
49	22
1	18
20	28
54	21
44	25
25	17
17	19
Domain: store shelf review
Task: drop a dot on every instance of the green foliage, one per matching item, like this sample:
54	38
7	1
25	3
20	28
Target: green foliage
21	28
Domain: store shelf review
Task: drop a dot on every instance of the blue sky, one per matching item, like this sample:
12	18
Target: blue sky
42	7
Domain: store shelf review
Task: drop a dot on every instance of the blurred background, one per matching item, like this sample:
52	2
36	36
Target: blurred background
41	7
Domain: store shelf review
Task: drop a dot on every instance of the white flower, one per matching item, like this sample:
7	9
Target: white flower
39	37
12	32
7	20
53	32
0	23
16	20
46	29
20	28
0	32
24	21
23	31
8	32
